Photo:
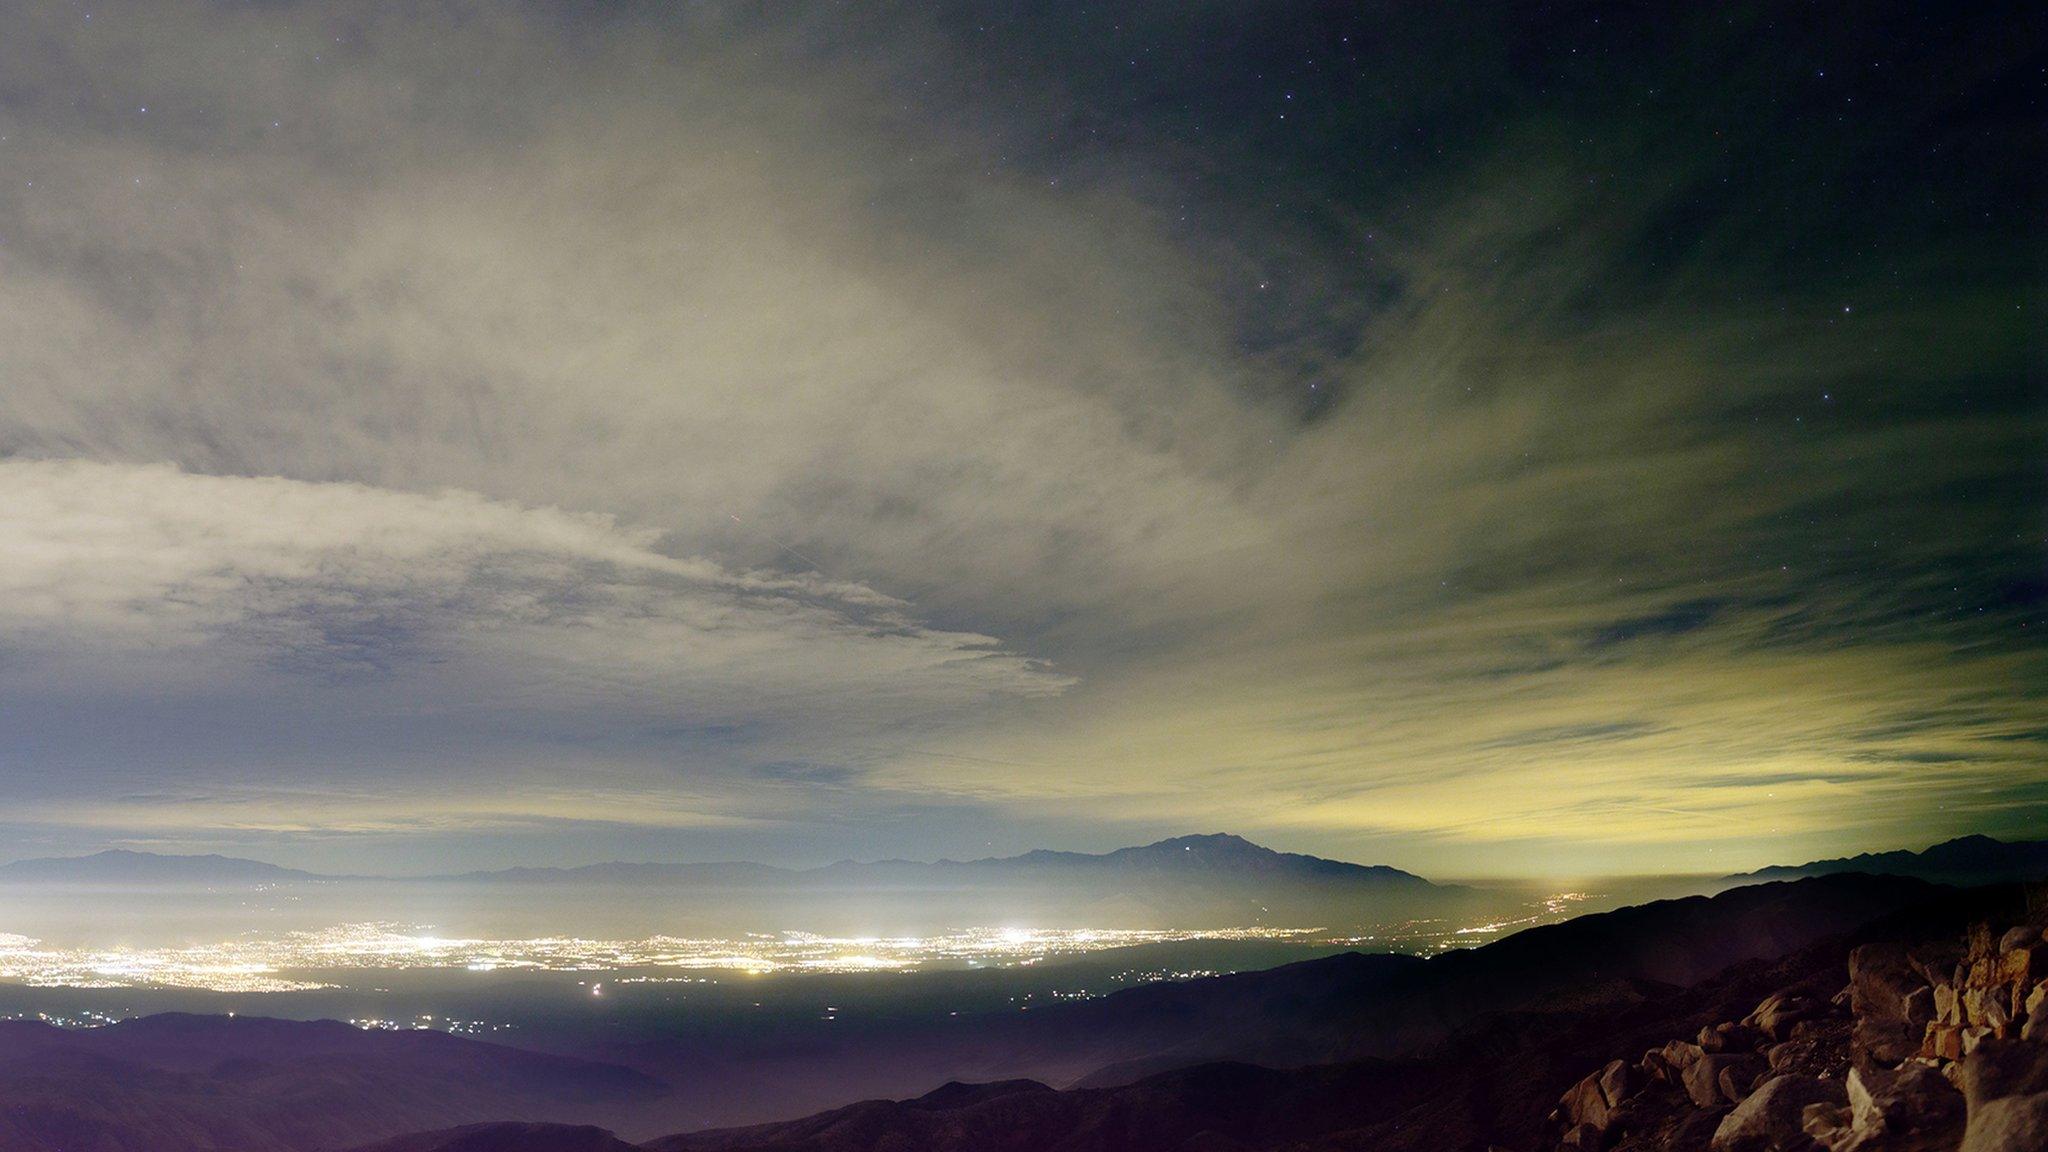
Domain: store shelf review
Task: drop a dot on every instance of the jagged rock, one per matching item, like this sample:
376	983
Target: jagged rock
1711	1077
1782	1056
1618	1082
1943	1042
1948	1007
1583	1104
1781	1010
1983	972
2013	1124
1973	1037
1996	1016
1914	1109
2036	1007
1772	1118
1595	1100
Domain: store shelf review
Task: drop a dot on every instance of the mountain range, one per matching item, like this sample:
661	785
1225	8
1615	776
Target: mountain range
1184	882
1215	856
1965	861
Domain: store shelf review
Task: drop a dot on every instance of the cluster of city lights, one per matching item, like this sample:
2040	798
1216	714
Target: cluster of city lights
427	1022
304	961
292	961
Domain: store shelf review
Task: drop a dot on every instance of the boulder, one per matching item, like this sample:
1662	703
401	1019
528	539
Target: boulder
2035	1006
1781	1010
1679	1055
2020	937
1655	1068
1943	1042
1881	980
2011	1124
2001	1068
1582	1103
1914	1109
1737	1082
1618	1081
1936	963
1592	1100
1710	1079
1772	1118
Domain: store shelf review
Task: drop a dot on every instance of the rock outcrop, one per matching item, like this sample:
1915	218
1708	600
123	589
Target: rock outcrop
1935	1046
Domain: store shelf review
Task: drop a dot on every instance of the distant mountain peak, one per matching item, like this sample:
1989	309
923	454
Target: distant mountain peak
1213	853
1210	841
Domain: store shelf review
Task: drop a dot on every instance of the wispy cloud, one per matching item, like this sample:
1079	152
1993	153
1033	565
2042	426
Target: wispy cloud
815	424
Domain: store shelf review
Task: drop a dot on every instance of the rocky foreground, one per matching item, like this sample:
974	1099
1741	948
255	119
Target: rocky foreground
1934	1046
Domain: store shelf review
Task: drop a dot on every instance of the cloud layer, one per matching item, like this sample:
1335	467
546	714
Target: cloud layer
493	433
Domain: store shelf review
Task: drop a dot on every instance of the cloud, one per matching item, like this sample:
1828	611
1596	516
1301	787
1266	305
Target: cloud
710	419
340	580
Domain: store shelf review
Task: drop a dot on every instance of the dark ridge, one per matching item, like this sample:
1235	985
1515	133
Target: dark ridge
1968	861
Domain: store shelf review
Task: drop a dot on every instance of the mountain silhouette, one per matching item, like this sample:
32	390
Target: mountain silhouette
1966	861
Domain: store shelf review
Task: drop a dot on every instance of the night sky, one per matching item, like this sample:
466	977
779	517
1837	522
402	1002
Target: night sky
1488	439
